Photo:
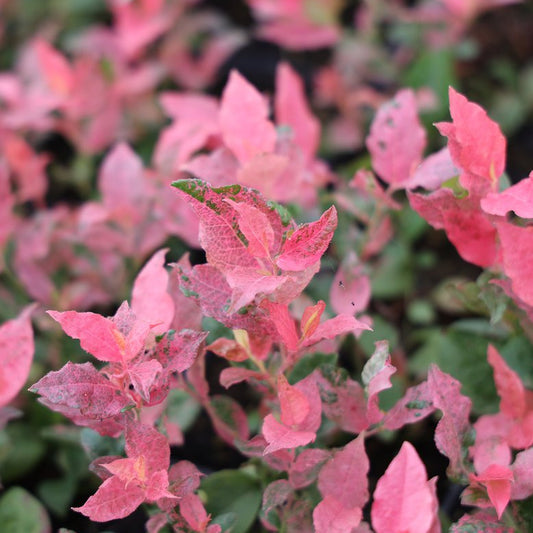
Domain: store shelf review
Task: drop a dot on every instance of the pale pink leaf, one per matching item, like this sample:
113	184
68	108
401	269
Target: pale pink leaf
517	251
291	109
453	428
244	119
150	300
331	516
294	406
279	436
308	243
523	481
433	171
16	354
143	376
345	475
113	499
350	288
120	179
55	68
97	335
397	139
337	325
404	501
497	479
508	384
518	198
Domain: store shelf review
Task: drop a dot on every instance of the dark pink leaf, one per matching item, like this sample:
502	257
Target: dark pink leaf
343	401
397	139
232	375
184	478
291	109
308	243
244	119
467	227
150	300
97	335
284	323
311	318
518	198
113	499
331	516
345	475
404	500
16	354
476	142
304	470
177	351
229	419
416	404
82	388
230	350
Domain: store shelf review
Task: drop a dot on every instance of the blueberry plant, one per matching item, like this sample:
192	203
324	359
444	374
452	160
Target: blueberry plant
222	251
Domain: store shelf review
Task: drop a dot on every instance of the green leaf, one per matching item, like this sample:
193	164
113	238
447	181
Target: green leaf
393	276
233	491
20	512
310	362
25	450
57	494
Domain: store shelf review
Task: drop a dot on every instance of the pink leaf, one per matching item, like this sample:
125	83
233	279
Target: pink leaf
376	377
150	300
232	375
311	318
256	228
284	323
454	427
497	479
82	388
113	499
404	501
345	475
55	68
331	516
143	376
192	509
433	171
280	436
523	481
308	243
244	119
292	110
467	227
294	405
416	404
121	180
508	384
517	251
304	470
476	142
145	441
397	139
350	288
16	354
518	198
97	335
337	325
